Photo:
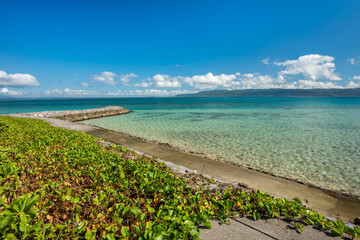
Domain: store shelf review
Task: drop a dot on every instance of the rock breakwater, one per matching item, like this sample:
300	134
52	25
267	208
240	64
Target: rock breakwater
76	115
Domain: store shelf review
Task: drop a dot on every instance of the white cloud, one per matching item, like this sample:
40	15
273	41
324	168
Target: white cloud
266	60
143	84
153	92
69	92
106	77
252	81
255	81
354	60
125	78
211	81
356	77
162	81
351	61
147	92
7	92
248	75
353	85
308	84
17	80
313	66
85	84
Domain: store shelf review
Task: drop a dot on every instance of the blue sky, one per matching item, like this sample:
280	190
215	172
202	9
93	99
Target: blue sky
161	48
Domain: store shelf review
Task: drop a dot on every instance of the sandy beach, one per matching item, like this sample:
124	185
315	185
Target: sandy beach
329	203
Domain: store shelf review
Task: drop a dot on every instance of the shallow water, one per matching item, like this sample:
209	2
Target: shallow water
310	140
313	140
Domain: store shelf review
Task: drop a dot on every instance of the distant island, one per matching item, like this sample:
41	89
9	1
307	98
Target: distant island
350	92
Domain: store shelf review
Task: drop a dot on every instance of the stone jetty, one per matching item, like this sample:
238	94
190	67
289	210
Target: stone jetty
76	115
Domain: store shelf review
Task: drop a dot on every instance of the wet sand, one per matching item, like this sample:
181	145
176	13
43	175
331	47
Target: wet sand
328	203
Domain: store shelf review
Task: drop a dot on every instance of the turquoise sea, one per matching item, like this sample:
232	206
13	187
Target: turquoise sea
312	140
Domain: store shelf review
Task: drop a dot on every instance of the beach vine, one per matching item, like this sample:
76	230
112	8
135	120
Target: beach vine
62	184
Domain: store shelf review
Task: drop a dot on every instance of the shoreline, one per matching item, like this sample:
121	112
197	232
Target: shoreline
330	203
335	193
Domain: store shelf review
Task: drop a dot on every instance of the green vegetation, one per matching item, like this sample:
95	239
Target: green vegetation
60	184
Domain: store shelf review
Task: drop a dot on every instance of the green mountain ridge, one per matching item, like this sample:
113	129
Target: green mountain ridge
350	92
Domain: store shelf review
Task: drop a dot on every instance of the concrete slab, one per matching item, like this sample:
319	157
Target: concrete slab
271	229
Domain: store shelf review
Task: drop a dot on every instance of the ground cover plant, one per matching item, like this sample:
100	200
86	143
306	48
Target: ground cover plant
61	184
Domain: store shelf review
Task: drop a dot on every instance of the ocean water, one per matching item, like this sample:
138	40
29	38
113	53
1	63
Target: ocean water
312	140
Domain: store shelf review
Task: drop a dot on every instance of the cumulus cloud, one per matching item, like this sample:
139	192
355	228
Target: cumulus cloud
160	80
7	92
211	81
313	66
308	84
17	80
150	92
356	77
143	84
125	78
67	92
353	85
85	84
106	77
256	81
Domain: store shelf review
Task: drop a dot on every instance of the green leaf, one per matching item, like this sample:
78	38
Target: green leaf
60	227
151	210
30	203
125	232
23	222
90	235
196	238
194	232
10	237
158	236
109	236
8	213
75	199
137	230
256	215
87	235
337	232
135	210
207	225
4	222
2	201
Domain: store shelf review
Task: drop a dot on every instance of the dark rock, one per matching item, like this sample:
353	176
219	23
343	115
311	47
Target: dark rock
357	221
243	185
